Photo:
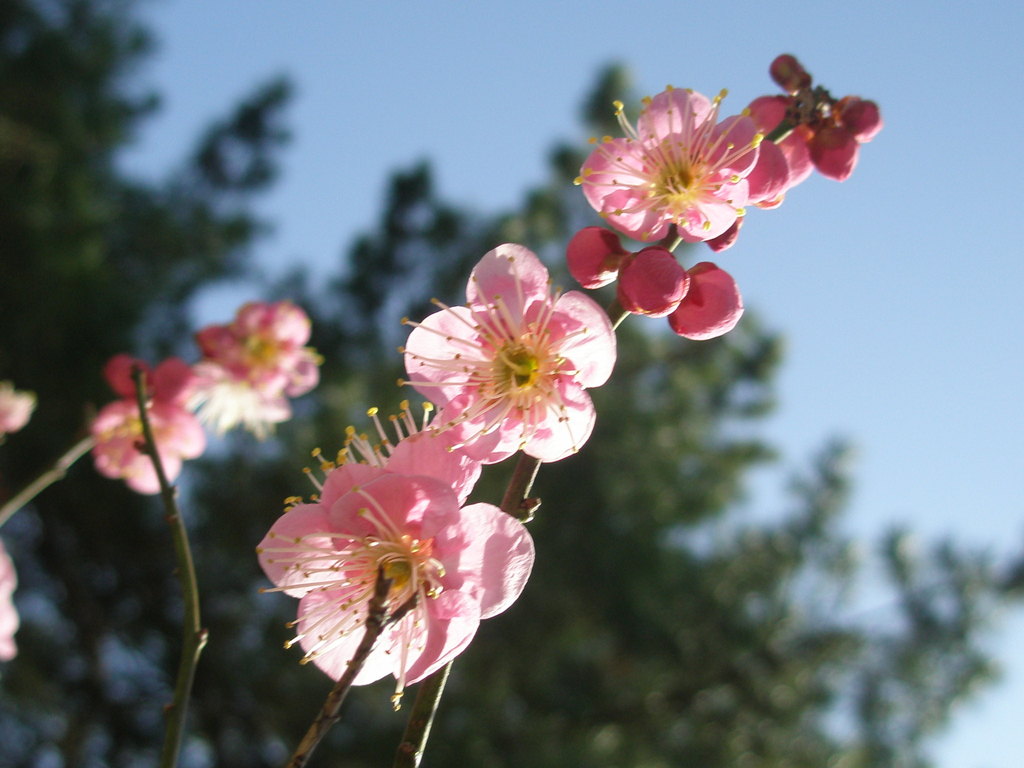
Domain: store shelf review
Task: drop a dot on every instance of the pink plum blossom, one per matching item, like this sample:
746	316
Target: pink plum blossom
680	166
510	369
117	428
712	307
15	408
458	564
251	367
8	613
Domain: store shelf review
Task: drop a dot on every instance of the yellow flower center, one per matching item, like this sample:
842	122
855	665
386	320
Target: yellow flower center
518	366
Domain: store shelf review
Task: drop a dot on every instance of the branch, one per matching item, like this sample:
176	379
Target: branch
193	634
46	479
515	502
376	621
417	729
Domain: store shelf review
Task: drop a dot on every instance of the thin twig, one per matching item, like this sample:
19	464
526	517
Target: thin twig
376	621
516	501
46	479
193	633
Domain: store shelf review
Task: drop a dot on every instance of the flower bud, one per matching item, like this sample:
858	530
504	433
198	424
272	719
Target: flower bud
594	255
860	117
711	307
789	73
652	282
834	152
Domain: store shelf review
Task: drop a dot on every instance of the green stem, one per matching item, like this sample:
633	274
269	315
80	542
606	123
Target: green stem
780	131
515	502
193	634
46	479
417	730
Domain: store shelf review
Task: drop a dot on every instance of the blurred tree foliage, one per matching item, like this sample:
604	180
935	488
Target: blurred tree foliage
660	628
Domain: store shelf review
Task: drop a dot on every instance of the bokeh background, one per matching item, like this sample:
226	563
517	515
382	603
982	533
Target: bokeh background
893	297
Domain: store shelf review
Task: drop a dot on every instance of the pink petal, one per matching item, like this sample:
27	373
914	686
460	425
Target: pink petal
118	373
712	307
433	340
334	661
675	113
302	520
172	380
711	218
727	239
770	177
346	478
512	272
444	638
8	613
590	345
733	148
495	557
562	434
432	456
834	152
862	118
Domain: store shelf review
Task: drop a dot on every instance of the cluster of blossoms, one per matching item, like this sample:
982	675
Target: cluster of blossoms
826	133
252	366
249	369
509	371
683	175
399	510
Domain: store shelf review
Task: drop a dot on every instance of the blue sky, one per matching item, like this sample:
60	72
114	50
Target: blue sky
897	290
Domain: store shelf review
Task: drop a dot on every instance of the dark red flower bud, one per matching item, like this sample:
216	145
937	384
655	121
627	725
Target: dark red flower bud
594	255
652	282
711	307
789	73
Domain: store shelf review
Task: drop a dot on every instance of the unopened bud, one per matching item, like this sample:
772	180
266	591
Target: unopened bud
712	307
594	255
789	73
652	282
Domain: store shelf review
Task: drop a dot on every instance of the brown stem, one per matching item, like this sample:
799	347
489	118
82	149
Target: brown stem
376	621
